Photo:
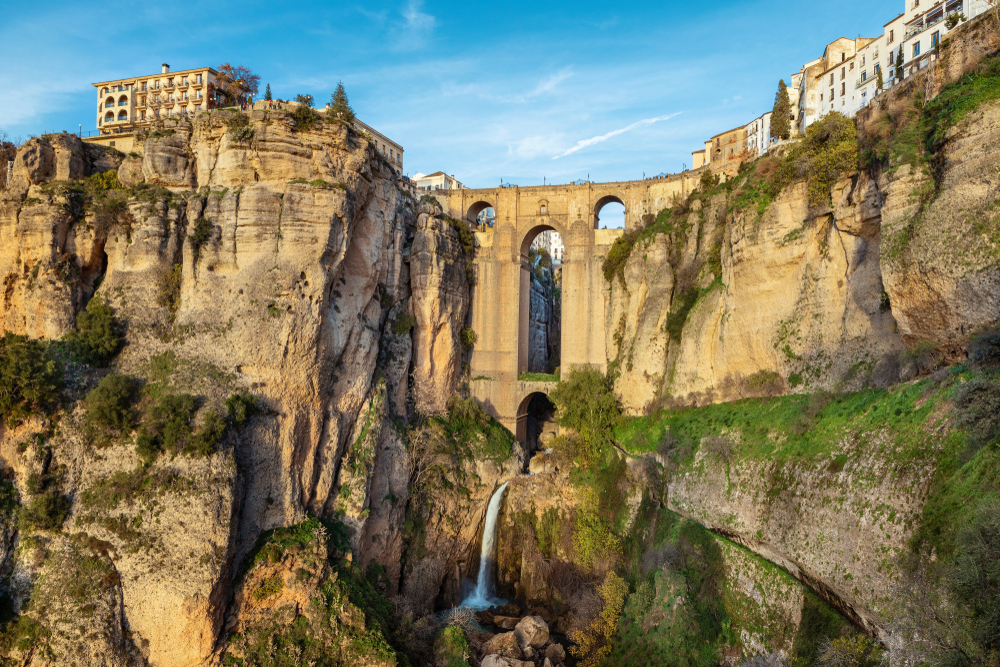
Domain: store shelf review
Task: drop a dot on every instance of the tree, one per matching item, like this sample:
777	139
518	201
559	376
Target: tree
236	83
878	81
781	115
267	93
305	99
340	108
8	151
899	64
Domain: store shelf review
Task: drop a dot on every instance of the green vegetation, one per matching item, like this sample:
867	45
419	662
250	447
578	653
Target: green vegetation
240	130
48	508
168	425
538	377
468	426
30	378
110	411
169	295
468	242
468	338
96	339
350	621
199	235
305	118
452	648
677	318
404	323
781	114
340	108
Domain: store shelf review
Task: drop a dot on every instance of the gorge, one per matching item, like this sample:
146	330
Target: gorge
264	404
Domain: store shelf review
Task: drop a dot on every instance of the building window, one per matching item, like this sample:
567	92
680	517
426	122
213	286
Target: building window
843	89
544	210
843	57
852	66
831	78
843	73
892	37
821	97
831	94
916	49
935	39
198	79
864	77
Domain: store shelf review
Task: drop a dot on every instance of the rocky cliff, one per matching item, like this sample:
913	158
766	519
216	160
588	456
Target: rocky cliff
261	253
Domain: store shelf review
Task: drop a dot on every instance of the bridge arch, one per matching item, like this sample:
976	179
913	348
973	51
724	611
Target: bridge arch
535	408
472	213
532	233
604	201
539	336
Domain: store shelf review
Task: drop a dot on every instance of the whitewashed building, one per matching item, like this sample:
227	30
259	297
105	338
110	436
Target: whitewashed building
553	244
437	181
759	135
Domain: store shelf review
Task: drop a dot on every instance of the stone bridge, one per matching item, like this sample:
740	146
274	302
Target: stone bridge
500	297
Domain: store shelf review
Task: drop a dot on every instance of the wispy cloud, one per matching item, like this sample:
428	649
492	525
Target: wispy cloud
604	137
416	27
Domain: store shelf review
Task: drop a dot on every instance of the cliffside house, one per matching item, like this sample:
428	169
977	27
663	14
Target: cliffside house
437	181
392	151
125	105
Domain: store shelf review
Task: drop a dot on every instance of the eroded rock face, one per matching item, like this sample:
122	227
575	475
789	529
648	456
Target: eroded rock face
797	304
272	267
440	303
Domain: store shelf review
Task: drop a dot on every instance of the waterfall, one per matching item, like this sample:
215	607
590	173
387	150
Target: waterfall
481	597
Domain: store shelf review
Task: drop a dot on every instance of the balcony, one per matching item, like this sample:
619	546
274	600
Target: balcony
109	105
916	30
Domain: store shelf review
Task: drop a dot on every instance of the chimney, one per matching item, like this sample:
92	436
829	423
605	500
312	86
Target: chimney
166	68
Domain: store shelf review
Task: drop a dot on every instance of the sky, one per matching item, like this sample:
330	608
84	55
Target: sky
523	92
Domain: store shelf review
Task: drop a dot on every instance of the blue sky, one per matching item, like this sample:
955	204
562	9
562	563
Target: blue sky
519	91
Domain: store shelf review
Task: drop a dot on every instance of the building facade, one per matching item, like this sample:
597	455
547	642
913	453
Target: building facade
392	151
759	135
553	244
437	181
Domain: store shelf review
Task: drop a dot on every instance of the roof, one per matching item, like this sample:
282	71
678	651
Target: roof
436	173
149	76
735	129
895	19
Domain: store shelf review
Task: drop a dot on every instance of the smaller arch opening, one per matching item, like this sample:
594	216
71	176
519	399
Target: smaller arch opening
123	99
609	213
536	424
109	115
482	214
123	115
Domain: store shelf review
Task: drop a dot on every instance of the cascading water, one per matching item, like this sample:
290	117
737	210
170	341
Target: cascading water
481	597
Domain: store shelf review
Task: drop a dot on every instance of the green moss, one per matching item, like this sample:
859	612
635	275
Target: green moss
538	377
451	648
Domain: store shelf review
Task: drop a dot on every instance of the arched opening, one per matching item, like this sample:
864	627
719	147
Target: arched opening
536	422
109	116
482	214
123	100
110	102
540	340
122	115
609	213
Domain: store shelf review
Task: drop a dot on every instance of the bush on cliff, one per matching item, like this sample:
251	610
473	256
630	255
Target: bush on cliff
95	340
30	378
110	409
587	403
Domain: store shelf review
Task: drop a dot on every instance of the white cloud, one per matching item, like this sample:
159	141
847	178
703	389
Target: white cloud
604	137
417	26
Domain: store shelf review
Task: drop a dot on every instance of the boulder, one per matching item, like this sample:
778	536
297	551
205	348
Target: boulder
532	631
507	610
542	463
556	653
505	622
547	663
505	645
484	618
494	661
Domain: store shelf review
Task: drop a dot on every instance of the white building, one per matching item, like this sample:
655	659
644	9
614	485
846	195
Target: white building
759	135
845	78
437	181
553	243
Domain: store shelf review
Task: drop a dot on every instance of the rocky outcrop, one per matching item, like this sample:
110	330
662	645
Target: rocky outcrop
440	303
539	317
795	303
277	265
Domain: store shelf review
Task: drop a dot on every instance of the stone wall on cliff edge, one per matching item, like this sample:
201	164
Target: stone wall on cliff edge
302	256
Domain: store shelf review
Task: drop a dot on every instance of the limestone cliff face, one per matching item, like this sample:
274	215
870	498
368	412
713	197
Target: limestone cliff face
540	316
272	265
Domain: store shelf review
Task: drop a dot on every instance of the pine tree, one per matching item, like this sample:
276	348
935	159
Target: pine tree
899	63
340	108
781	115
267	93
879	83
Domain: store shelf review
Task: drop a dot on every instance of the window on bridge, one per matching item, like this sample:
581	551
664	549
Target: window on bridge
545	259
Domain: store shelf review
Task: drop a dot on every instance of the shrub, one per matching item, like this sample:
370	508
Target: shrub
718	446
975	577
829	149
621	250
978	403
240	407
170	290
856	651
95	339
404	323
762	379
208	437
109	404
199	235
587	403
452	648
269	588
30	379
167	426
708	180
468	338
677	317
47	511
466	412
240	130
305	118
984	349
593	644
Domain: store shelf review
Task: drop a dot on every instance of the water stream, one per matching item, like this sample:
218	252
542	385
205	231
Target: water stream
482	596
